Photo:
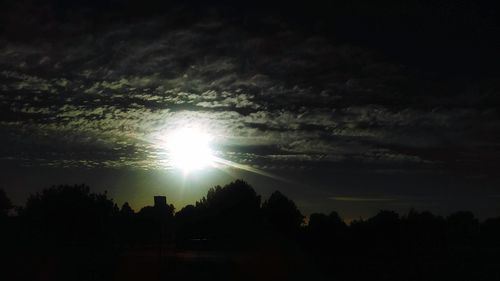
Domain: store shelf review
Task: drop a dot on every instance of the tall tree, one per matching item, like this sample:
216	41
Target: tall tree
69	214
282	213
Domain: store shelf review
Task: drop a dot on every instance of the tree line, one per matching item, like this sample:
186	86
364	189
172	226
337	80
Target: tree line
85	233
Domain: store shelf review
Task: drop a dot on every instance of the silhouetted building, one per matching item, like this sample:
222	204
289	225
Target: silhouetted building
160	201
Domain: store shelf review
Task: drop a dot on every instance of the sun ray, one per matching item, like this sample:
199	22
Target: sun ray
249	169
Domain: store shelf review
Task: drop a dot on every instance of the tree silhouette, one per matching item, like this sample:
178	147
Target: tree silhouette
384	218
186	222
322	226
125	225
68	214
69	226
237	200
155	223
225	214
282	213
462	230
126	210
5	204
237	197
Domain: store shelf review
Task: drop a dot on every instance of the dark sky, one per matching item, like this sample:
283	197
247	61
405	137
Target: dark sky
351	106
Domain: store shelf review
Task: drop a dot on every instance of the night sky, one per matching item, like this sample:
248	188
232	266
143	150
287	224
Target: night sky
352	106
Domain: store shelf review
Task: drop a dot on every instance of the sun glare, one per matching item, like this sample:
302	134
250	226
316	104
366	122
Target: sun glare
189	150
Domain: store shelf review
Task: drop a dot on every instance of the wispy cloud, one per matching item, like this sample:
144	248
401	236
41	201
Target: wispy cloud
362	199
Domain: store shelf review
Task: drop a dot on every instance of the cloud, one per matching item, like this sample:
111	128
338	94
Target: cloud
279	98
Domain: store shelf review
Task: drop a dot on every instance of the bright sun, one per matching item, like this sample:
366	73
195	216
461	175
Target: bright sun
189	150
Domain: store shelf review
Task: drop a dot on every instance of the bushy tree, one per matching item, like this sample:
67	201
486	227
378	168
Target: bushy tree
282	213
68	214
237	198
225	213
5	204
326	225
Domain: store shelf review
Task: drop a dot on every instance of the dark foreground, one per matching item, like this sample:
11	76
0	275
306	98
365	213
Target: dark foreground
68	233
